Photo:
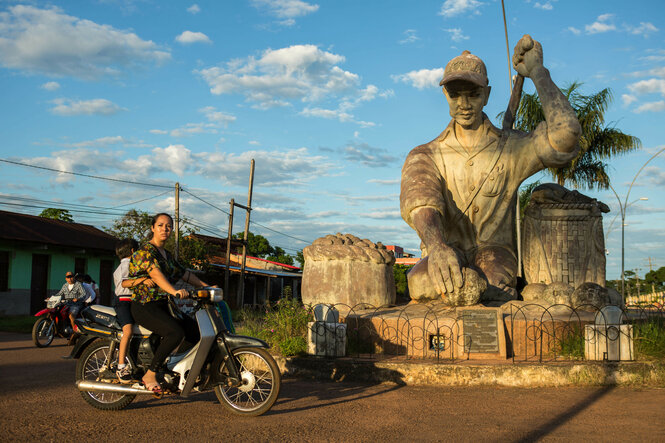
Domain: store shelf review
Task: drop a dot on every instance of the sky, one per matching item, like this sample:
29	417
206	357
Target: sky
327	97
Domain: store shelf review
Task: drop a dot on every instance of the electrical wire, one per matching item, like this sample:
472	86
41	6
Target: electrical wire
84	175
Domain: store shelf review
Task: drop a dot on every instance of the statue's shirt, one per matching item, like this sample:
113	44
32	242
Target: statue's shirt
475	190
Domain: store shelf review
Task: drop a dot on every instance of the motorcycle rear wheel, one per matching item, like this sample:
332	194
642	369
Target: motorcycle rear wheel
261	381
95	360
43	332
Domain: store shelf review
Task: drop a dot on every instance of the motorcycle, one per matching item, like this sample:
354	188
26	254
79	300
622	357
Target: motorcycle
242	373
52	320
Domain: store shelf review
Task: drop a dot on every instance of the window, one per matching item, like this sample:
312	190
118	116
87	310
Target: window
4	271
79	265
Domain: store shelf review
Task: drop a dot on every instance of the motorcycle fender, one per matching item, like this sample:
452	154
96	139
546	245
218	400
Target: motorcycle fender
42	312
82	343
241	341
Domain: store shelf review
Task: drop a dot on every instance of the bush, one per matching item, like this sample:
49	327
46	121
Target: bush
649	338
283	325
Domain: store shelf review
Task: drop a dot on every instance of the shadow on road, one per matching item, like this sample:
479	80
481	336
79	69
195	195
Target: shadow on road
326	394
561	419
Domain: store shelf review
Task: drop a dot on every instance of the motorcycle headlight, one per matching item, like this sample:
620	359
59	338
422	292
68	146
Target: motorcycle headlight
212	294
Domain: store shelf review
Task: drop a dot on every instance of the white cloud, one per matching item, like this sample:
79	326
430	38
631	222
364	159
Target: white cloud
301	73
653	85
410	37
395	181
194	9
289	168
194	128
574	30
102	141
644	29
189	37
451	8
655	72
421	79
50	42
50	86
254	143
628	99
547	6
651	107
79	160
285	10
367	155
158	131
175	158
602	24
383	214
215	116
99	106
456	34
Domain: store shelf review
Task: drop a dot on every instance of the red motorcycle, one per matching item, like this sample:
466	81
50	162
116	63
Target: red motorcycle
51	321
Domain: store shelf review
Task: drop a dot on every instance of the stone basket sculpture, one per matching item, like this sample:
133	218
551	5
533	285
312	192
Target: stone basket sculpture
562	240
344	269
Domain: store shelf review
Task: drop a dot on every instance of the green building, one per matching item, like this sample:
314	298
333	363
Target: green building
36	252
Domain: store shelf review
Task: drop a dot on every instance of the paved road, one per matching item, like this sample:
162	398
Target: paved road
38	402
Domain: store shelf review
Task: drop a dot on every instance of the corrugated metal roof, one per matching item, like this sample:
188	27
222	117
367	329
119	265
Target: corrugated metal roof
34	229
261	271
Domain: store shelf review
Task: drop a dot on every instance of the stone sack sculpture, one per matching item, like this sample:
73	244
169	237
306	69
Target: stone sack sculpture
459	190
344	269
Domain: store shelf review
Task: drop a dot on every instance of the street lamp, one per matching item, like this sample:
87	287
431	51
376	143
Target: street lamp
622	208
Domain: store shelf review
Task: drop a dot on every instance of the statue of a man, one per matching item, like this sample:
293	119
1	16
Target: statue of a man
459	190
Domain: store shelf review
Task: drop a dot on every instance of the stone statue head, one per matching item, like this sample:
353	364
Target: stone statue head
466	88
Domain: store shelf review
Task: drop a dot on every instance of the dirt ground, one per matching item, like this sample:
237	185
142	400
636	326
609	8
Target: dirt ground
39	402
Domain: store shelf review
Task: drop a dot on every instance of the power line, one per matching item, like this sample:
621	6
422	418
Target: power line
207	203
84	175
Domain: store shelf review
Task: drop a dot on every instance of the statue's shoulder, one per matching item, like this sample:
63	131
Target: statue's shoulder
430	147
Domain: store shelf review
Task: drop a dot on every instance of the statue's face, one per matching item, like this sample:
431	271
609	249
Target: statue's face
466	101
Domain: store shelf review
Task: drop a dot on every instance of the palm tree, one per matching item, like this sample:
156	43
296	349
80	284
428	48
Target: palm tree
597	143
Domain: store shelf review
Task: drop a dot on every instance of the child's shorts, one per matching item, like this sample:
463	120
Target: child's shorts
124	313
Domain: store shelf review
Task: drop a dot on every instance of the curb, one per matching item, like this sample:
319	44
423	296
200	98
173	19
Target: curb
528	375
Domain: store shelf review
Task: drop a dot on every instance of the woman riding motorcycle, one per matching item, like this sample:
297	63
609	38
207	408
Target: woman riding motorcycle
150	304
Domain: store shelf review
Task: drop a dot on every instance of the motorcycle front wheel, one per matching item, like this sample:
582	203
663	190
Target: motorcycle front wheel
95	364
43	332
260	383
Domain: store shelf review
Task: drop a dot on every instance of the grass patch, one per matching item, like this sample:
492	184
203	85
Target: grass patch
649	338
283	325
571	345
17	323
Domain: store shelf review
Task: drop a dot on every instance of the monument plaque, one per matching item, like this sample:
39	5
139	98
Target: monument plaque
483	332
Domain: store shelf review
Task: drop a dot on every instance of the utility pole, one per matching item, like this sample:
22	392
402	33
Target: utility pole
653	288
177	220
248	209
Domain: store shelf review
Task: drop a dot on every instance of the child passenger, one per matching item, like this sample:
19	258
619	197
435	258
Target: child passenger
124	250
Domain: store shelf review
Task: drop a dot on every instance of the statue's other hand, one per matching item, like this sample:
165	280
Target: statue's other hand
528	55
444	269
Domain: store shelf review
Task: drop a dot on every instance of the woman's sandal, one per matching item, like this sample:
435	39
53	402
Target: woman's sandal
154	387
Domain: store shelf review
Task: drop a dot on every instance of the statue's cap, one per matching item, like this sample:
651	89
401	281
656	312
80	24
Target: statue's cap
465	67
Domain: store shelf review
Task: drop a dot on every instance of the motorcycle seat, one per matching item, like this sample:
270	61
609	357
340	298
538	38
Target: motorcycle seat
136	329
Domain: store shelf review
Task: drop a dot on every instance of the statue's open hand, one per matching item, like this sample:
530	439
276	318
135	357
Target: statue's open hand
444	269
528	55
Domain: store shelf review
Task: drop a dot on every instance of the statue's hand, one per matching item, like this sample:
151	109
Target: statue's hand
527	56
444	269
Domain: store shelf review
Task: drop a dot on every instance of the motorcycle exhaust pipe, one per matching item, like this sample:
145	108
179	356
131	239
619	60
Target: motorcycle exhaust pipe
96	386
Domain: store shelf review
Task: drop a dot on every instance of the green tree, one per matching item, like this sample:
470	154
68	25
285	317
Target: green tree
300	258
401	283
656	278
280	256
134	224
257	245
57	214
525	196
598	142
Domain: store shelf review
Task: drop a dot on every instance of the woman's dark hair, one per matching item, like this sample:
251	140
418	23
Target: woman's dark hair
156	216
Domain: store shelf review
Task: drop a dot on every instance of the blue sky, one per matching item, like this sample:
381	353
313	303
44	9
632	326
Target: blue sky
328	98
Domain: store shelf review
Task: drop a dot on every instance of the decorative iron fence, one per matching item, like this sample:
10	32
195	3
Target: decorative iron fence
525	332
